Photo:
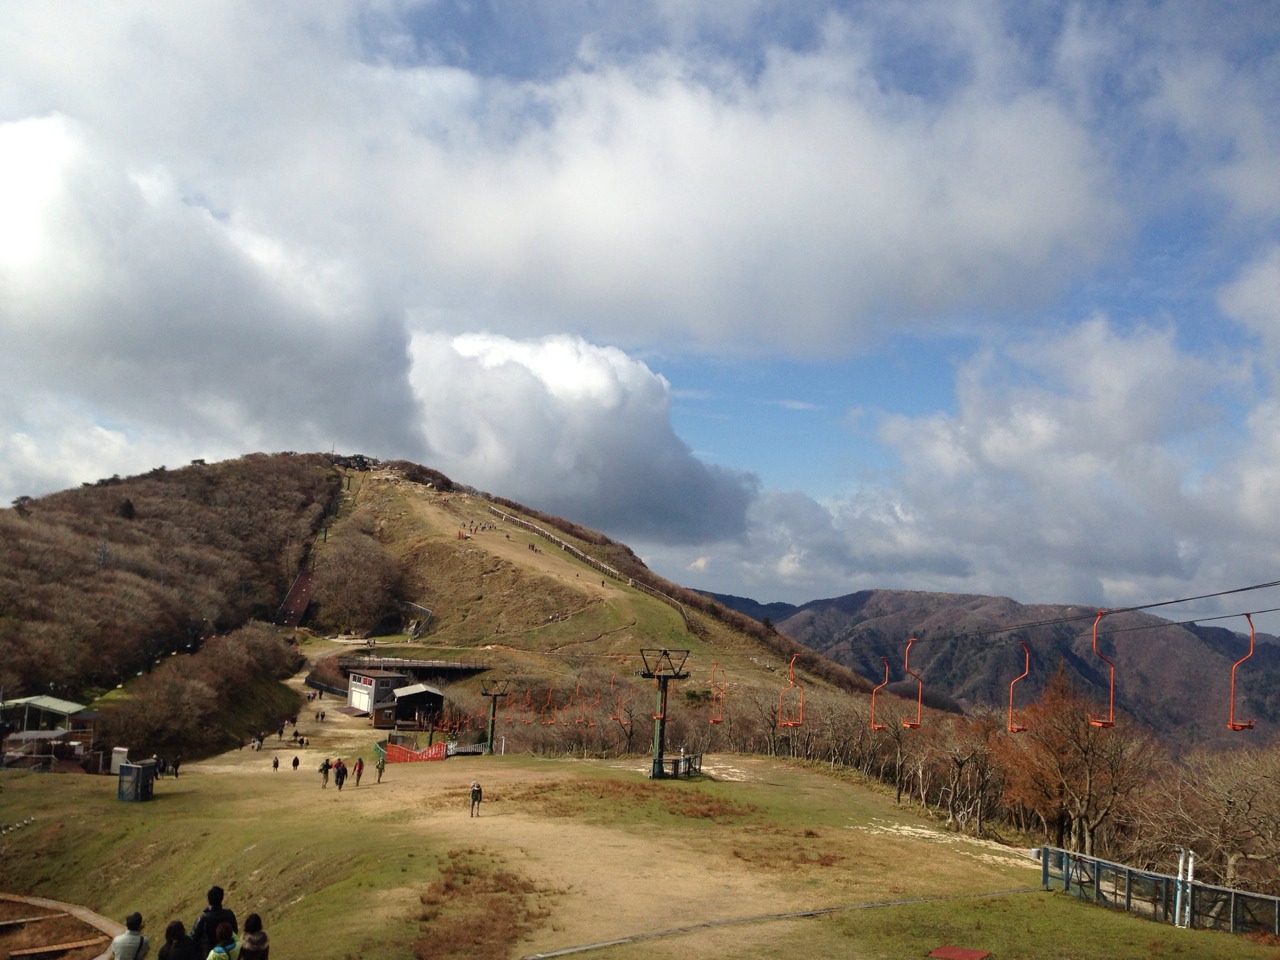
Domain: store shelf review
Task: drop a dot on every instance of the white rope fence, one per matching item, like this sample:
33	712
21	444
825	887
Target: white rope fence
590	561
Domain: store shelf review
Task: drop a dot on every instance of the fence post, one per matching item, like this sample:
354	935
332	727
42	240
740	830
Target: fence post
1128	890
1044	872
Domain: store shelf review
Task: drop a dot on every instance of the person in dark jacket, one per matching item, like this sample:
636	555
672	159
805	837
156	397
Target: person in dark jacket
205	931
255	945
177	945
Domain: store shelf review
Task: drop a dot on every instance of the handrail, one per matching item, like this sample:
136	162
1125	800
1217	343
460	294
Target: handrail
593	562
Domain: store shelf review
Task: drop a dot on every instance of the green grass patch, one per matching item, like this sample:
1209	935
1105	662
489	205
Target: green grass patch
407	873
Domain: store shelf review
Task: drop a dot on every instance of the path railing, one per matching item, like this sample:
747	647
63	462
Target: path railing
591	561
1157	896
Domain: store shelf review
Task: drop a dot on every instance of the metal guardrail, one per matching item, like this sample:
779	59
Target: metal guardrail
1155	895
686	766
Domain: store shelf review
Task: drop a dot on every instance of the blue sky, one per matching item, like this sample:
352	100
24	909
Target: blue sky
796	298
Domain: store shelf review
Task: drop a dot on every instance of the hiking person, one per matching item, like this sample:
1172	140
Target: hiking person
275	764
205	930
380	766
325	767
339	773
295	764
358	769
131	945
255	945
476	794
227	947
177	945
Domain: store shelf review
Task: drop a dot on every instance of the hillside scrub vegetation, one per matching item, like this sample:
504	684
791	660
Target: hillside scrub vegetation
357	580
198	704
98	582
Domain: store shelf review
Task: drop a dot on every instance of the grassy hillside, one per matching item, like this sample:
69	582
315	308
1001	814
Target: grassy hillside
565	853
553	627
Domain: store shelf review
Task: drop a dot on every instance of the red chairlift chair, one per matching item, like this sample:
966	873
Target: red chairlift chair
717	695
1110	719
526	710
906	665
1232	723
788	716
1014	727
549	705
619	704
885	682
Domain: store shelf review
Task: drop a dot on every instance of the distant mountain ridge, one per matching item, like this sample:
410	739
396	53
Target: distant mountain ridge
1173	679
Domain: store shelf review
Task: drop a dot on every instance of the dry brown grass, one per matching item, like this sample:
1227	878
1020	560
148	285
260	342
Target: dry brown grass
477	910
618	799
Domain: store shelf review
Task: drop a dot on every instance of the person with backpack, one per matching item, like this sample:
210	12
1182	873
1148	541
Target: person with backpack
227	947
324	773
205	930
476	795
131	945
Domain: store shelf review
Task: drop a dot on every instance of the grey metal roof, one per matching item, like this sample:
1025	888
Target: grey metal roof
49	704
416	688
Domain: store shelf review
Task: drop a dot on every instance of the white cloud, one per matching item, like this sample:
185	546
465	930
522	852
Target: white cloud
573	429
1253	299
1091	466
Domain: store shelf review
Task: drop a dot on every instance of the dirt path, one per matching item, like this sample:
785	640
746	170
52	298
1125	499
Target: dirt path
594	878
511	543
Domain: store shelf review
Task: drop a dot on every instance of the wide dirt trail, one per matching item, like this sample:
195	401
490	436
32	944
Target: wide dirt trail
598	882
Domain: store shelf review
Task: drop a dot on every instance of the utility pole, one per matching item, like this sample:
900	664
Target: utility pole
662	666
499	691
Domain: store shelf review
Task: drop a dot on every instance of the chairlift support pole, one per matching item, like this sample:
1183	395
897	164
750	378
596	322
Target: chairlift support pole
494	695
662	666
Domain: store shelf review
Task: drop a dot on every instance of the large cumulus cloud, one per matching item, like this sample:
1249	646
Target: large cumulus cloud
575	429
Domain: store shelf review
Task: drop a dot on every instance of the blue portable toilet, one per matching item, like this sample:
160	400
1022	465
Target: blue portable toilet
136	781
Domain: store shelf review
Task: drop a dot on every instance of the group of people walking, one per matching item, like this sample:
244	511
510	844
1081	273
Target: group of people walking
341	771
215	935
